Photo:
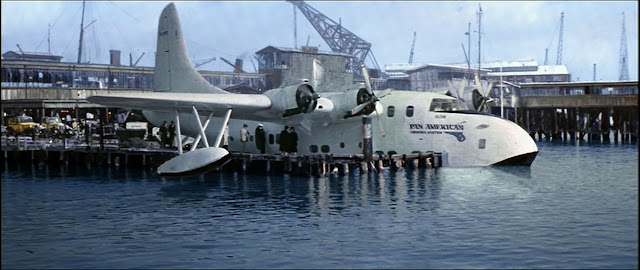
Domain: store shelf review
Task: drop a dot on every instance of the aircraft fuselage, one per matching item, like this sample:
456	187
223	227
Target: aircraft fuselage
410	125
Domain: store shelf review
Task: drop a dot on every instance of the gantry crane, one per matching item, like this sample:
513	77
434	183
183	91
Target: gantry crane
337	37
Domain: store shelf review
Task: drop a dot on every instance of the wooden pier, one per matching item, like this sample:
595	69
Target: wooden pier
593	112
72	153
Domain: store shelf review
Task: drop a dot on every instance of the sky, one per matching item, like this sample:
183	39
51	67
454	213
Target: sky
511	31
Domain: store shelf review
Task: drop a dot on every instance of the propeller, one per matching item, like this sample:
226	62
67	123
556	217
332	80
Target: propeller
372	100
458	91
482	95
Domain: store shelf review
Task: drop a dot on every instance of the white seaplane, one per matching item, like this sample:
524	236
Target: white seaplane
327	121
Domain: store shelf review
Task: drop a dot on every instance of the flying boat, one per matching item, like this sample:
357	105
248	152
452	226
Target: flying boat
327	120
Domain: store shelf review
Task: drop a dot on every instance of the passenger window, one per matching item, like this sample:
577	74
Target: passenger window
325	149
482	143
313	148
391	110
409	111
271	139
342	145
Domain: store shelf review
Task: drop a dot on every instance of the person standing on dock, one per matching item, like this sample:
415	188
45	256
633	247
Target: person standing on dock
163	134
284	140
87	132
225	137
293	141
149	131
260	139
172	134
244	137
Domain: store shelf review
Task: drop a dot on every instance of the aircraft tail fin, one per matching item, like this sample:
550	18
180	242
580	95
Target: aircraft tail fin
174	71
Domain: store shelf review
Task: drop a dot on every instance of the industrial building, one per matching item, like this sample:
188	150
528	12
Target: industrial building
289	66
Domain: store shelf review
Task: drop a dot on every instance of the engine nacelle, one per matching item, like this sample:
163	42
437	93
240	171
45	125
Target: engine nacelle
345	102
293	99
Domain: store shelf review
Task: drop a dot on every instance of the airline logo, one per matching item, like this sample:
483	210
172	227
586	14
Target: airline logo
454	130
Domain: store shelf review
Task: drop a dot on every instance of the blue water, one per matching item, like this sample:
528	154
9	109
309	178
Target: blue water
575	207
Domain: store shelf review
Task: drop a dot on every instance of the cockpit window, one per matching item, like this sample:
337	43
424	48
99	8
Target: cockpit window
447	105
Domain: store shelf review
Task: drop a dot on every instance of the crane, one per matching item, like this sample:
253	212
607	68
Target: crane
413	44
201	62
337	37
559	59
237	67
131	63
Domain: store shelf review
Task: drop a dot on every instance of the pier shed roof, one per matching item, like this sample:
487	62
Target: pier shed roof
31	56
542	70
307	50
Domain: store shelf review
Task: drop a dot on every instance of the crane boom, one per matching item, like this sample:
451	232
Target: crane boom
337	37
559	58
413	44
199	63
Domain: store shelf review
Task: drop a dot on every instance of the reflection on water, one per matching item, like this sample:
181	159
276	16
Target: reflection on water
562	212
321	196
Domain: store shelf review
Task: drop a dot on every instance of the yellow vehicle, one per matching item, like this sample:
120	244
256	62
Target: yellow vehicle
22	125
51	122
53	126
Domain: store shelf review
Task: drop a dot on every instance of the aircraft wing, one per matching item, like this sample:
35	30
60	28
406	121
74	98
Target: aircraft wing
249	106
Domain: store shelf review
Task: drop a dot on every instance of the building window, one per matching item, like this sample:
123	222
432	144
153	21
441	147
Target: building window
409	111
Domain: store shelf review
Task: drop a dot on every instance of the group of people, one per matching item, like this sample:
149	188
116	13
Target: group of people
288	138
288	141
260	137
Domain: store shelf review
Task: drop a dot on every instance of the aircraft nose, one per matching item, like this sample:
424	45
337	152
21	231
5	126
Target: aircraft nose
522	149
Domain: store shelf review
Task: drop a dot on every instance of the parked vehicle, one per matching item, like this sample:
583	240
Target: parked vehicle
53	126
22	125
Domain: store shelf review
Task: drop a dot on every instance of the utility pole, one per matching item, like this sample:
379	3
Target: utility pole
81	32
624	66
501	95
546	56
559	59
594	72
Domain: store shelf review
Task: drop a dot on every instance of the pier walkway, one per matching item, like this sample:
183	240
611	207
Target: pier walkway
74	152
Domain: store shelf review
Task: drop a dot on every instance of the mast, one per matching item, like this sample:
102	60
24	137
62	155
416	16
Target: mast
479	37
81	33
468	33
49	39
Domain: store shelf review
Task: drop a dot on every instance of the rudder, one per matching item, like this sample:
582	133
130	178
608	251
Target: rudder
174	72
